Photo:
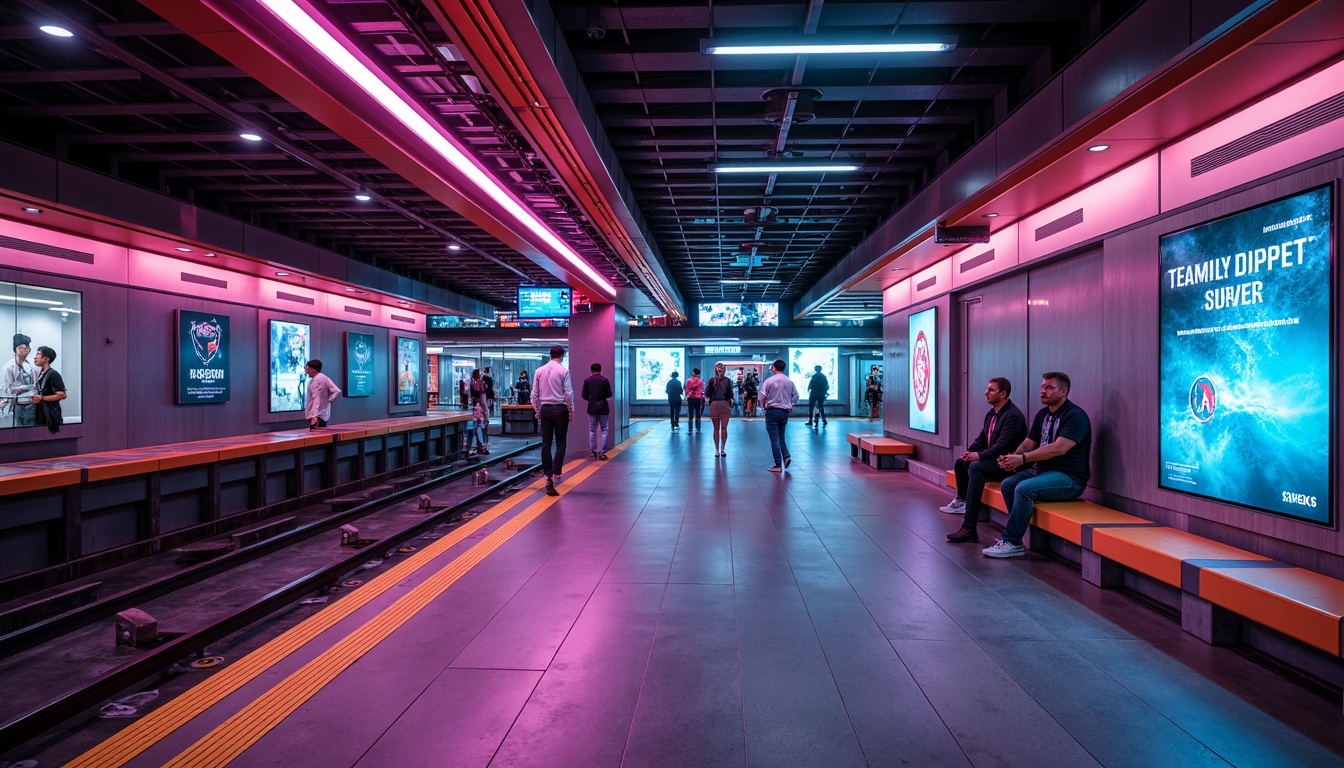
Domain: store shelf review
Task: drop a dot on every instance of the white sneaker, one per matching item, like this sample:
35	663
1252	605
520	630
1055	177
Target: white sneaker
1002	548
954	507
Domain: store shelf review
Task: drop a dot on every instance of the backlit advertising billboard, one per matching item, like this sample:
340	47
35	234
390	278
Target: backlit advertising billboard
1247	388
924	370
203	356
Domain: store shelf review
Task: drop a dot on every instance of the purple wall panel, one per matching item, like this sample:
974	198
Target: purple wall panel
995	329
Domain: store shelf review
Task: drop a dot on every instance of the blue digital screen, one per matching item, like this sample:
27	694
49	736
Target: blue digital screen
543	302
1247	400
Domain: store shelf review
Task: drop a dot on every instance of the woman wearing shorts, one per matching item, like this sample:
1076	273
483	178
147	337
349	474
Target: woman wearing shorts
719	392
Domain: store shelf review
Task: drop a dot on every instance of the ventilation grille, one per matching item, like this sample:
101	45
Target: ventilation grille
292	297
926	284
402	318
1060	224
43	249
187	277
358	311
978	261
1298	123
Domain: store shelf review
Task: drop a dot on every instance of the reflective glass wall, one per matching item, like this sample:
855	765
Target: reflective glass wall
32	317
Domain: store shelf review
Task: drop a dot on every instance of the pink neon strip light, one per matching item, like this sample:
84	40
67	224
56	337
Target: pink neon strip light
335	52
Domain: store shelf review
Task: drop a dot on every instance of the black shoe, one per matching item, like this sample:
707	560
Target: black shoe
550	489
603	457
787	461
963	535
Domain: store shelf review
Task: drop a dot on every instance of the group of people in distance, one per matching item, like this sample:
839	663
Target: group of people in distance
747	391
32	392
777	395
1048	462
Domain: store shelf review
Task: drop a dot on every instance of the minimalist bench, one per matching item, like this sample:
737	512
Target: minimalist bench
855	437
884	452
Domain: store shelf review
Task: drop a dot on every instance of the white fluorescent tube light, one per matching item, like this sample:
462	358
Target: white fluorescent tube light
785	168
323	42
748	282
819	45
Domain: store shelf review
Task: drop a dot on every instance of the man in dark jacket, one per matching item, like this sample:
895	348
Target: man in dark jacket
1004	429
817	387
597	391
50	390
674	390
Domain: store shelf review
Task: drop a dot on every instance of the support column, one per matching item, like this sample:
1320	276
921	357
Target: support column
601	336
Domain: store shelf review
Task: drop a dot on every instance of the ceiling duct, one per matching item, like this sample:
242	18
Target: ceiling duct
758	215
778	108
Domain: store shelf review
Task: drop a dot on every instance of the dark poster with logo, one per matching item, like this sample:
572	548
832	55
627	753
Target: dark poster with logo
358	364
202	357
1246	365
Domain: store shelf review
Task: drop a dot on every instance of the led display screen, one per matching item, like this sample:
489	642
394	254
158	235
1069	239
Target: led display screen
1247	399
203	357
543	302
924	370
290	349
653	369
740	314
358	364
408	371
802	365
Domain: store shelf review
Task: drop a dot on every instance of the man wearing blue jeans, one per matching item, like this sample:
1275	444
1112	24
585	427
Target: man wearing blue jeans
1052	464
778	397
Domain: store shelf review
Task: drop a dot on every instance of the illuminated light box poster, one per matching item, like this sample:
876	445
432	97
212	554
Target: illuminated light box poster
291	345
802	365
203	357
739	314
408	371
1246	389
924	370
653	369
358	364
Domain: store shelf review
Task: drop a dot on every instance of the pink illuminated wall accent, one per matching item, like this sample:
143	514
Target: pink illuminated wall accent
931	282
896	297
1179	188
1124	197
1004	246
109	261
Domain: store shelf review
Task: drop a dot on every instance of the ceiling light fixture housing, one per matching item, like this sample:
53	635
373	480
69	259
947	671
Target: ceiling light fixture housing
249	136
748	282
1098	147
362	195
784	167
55	31
810	45
32	210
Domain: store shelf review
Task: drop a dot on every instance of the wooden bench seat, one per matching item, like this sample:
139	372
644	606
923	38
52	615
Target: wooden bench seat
1299	603
991	497
883	452
1159	552
854	438
1076	521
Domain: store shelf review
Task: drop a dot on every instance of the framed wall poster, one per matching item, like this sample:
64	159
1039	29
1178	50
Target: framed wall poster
359	350
653	369
803	362
408	371
203	357
290	350
1247	358
924	370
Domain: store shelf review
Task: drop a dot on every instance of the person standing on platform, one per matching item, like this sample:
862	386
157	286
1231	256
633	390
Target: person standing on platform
463	394
489	382
553	401
817	387
480	412
719	390
20	384
597	391
778	396
874	393
1005	427
322	392
695	400
674	400
750	388
740	400
1052	464
50	390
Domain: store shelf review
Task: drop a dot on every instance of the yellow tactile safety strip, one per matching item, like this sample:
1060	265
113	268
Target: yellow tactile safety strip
239	732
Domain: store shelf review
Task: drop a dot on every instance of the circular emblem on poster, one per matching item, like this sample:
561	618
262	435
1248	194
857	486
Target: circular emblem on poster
1203	399
921	371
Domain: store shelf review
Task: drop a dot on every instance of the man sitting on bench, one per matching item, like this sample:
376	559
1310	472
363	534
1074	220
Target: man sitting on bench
1005	427
1052	464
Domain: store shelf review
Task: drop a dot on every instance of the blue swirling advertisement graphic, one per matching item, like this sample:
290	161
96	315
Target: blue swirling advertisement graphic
1246	358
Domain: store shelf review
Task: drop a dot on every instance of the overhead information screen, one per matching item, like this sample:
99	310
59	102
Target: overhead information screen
739	314
1246	358
543	302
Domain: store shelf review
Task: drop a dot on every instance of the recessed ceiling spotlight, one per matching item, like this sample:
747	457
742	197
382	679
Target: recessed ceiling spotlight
454	247
180	249
991	215
209	255
282	274
351	290
898	269
404	303
1098	147
250	136
363	196
55	31
32	210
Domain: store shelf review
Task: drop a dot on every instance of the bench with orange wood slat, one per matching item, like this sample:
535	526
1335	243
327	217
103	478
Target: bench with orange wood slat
1299	603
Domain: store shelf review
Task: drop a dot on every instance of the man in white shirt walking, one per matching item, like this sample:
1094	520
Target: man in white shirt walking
322	392
553	402
778	397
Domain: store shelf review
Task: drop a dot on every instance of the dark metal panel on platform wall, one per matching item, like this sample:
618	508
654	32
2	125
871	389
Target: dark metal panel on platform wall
1150	36
27	172
996	345
969	174
1128	455
1206	15
1065	324
1031	127
87	190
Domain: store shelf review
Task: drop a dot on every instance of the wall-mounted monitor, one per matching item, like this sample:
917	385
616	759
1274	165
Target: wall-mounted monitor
803	362
539	303
924	370
739	314
359	350
653	369
290	351
408	371
1246	360
203	357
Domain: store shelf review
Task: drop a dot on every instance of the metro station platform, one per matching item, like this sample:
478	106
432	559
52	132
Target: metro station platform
674	609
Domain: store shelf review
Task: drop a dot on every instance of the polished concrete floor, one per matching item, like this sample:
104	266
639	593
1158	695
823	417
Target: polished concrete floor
674	609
